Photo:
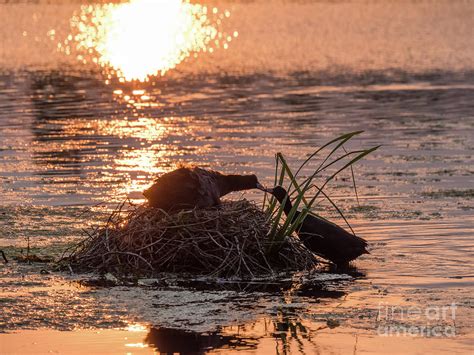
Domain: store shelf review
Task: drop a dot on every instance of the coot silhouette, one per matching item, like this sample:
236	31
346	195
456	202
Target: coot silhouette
323	237
186	188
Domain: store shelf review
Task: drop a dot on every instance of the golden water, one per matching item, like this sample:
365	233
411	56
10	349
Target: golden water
95	100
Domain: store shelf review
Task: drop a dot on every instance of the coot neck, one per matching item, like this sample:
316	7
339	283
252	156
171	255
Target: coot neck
288	206
229	183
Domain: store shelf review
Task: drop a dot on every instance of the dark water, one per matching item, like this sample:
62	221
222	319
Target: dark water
297	75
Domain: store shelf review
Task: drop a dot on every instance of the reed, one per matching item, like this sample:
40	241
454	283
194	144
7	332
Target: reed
325	163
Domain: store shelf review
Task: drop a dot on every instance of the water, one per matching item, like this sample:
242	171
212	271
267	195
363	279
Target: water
296	75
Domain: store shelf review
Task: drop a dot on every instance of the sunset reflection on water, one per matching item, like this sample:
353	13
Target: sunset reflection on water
142	38
80	133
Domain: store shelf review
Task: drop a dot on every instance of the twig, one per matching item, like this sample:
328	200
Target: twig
4	257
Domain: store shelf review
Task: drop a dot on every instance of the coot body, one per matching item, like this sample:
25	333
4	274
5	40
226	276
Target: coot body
323	237
186	188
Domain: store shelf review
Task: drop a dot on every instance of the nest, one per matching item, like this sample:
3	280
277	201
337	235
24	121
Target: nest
232	239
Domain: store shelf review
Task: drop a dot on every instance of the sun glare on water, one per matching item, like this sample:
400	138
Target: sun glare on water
142	38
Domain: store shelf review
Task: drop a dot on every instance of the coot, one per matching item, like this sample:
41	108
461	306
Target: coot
322	237
186	188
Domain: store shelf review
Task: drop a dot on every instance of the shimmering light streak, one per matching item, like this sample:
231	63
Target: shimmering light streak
142	38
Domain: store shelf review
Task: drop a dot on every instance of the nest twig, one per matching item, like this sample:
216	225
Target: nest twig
229	240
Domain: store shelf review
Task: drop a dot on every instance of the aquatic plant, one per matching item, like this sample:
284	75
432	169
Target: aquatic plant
228	240
234	239
304	192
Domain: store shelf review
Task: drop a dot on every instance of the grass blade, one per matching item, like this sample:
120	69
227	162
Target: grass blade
345	137
336	207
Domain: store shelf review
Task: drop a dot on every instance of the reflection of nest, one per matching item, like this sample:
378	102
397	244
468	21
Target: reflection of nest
230	240
173	341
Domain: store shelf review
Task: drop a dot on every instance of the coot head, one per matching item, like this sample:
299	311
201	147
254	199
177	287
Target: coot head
279	192
242	182
255	183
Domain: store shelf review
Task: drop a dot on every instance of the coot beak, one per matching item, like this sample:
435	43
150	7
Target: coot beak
263	188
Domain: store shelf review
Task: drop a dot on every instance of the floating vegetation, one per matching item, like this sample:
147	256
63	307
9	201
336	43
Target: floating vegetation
229	240
467	193
237	238
366	210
